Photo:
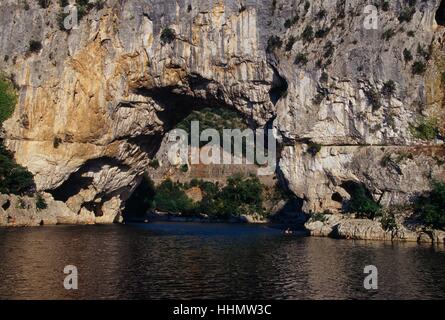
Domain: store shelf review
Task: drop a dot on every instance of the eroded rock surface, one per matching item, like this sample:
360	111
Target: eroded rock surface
95	102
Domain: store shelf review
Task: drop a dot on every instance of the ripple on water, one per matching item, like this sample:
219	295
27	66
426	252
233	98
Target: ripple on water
188	261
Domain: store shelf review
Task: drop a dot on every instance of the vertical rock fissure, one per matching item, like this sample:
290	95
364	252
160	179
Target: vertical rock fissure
440	14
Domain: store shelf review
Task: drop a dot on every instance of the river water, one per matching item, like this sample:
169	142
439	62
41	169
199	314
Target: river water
205	261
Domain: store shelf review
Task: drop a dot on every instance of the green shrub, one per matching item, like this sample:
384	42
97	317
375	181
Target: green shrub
386	160
388	34
241	195
56	142
406	14
431	208
388	89
308	34
362	203
168	35
301	59
44	3
154	164
8	99
328	49
374	98
320	33
319	97
318	217
385	5
14	179
35	46
40	202
290	43
64	3
389	221
418	68
214	118
426	129
274	42
21	204
61	20
83	8
290	22
424	53
324	77
407	55
321	14
313	148
171	198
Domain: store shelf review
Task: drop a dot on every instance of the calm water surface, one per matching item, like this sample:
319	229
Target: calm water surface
174	260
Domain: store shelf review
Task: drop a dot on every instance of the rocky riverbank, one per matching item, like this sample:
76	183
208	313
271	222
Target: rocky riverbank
348	227
16	211
24	211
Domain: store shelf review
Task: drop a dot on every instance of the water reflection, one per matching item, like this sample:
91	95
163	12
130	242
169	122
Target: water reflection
209	261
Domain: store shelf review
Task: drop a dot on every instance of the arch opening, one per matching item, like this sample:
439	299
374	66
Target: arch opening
440	14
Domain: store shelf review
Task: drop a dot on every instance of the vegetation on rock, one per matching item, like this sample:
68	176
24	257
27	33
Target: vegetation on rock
35	46
418	68
431	207
214	118
426	129
374	98
8	99
308	34
170	197
313	148
168	35
407	55
273	43
362	203
301	59
14	178
290	43
40	202
389	88
389	221
241	195
83	8
154	164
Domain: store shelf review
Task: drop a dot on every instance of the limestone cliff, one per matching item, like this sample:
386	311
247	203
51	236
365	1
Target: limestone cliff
95	102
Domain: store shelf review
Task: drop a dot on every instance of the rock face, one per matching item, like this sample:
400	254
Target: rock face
95	102
23	212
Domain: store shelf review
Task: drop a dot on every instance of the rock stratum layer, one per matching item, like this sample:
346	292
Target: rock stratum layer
95	102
